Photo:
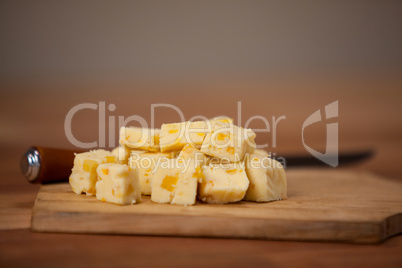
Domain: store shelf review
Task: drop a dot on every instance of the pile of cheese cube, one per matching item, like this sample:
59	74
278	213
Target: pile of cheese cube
213	160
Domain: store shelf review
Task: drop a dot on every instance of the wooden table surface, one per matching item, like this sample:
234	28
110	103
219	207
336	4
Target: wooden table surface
33	114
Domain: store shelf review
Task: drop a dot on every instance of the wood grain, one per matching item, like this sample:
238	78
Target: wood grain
323	205
369	117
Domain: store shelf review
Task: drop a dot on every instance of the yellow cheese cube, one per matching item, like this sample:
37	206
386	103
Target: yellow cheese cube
140	138
223	183
267	179
176	182
146	164
229	144
118	184
83	176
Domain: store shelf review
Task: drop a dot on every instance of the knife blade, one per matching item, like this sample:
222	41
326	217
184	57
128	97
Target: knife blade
48	165
344	159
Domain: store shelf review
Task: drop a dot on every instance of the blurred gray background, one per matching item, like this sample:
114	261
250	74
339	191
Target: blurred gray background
89	40
277	57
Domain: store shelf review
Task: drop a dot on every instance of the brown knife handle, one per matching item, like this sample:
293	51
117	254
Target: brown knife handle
45	165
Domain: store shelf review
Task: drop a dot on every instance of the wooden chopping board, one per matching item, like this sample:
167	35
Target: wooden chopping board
323	205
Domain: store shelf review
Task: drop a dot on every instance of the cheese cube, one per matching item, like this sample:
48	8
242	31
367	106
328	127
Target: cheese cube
260	152
174	154
190	153
83	176
176	135
122	154
267	179
164	182
230	144
146	164
140	138
176	183
221	122
223	183
118	184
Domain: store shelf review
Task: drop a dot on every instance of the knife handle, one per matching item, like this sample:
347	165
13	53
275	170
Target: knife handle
46	165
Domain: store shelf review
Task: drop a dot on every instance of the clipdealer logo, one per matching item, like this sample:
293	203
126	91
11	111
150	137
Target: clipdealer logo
330	156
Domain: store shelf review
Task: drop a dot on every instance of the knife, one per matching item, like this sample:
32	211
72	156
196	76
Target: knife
47	165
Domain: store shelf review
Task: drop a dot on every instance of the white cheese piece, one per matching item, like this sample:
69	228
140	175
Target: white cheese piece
122	154
223	183
83	176
229	144
221	122
176	183
190	153
260	152
146	164
118	184
176	135
267	179
140	138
